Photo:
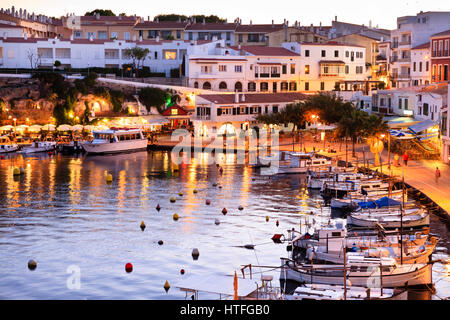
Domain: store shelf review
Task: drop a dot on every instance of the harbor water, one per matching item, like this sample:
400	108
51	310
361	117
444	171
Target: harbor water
63	214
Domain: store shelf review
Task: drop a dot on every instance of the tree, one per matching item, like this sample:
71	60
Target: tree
153	97
353	125
137	56
117	98
86	114
102	12
34	58
170	17
328	107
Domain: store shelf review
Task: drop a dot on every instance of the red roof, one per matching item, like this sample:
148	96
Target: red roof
211	26
425	45
254	97
331	43
181	111
266	51
161	25
265	28
440	34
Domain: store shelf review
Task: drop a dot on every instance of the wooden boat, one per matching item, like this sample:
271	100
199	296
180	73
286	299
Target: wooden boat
360	271
336	292
6	145
39	146
116	141
389	221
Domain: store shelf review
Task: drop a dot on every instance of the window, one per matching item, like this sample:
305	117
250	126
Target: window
425	109
284	69
77	34
420	66
307	69
414	66
222	85
206	69
263	86
238	86
400	103
406	104
336	53
284	86
293	86
306	86
251	86
170	54
222	68
240	38
323	53
126	35
114	35
237	68
156	55
427	66
306	53
347	54
178	34
89	34
293	68
190	36
322	86
275	109
207	86
361	55
347	69
228	36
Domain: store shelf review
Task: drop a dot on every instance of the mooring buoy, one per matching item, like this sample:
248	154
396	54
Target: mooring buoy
32	264
195	253
128	267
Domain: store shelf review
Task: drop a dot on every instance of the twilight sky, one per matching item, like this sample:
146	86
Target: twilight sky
381	12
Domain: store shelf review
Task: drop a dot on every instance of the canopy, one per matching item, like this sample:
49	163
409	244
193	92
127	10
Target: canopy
400	122
380	203
7	127
219	285
49	127
89	128
421	126
64	127
35	128
77	127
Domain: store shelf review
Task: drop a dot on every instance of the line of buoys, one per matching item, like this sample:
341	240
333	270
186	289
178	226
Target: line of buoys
208	202
160	242
224	211
172	199
166	286
32	264
175	216
142	226
128	267
109	178
217	221
241	208
195	254
158	207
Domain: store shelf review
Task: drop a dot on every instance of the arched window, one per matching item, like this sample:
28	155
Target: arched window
222	85
284	86
263	86
293	86
207	86
238	86
251	86
195	84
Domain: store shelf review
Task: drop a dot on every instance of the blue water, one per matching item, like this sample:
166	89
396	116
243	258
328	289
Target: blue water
63	214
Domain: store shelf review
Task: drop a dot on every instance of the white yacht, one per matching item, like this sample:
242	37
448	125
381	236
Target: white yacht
115	141
6	145
39	146
298	162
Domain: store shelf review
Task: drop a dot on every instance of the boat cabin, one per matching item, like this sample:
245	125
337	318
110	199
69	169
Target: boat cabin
117	136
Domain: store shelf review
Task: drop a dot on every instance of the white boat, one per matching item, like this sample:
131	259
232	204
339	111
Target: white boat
389	221
39	146
355	199
343	189
6	145
336	292
317	183
360	272
115	141
298	163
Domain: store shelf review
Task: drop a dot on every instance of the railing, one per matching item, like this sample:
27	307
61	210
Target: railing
404	59
202	118
401	75
395	45
404	43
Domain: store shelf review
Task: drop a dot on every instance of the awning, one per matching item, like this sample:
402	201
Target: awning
421	126
331	62
400	122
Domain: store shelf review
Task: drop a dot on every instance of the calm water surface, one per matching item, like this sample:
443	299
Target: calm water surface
62	213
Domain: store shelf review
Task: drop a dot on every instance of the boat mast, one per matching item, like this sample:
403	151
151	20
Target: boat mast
401	218
345	275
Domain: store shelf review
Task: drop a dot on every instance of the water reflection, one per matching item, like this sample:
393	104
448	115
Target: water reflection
62	212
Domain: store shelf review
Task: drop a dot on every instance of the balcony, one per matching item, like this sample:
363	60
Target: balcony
330	75
201	75
204	117
404	59
394	44
405	43
401	75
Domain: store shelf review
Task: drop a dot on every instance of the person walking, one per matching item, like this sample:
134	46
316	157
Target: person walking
405	158
437	174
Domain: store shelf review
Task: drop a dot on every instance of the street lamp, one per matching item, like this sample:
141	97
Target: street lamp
14	127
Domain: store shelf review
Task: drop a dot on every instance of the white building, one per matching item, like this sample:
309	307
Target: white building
163	56
411	32
445	133
421	64
227	113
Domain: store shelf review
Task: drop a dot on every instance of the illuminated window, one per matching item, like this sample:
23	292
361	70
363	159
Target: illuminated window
174	112
170	54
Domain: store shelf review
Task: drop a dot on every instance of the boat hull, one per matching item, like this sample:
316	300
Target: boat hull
117	147
392	223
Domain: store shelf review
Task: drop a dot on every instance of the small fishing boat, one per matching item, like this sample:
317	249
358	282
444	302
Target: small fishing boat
389	220
39	146
297	163
116	141
360	271
336	292
6	145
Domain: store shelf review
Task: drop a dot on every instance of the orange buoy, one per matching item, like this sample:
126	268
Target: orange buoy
172	199
180	194
128	267
241	208
195	191
166	286
208	202
158	207
267	218
195	253
142	226
182	271
224	211
175	216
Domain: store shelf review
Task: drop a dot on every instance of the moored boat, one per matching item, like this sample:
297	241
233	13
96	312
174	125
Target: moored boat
116	141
